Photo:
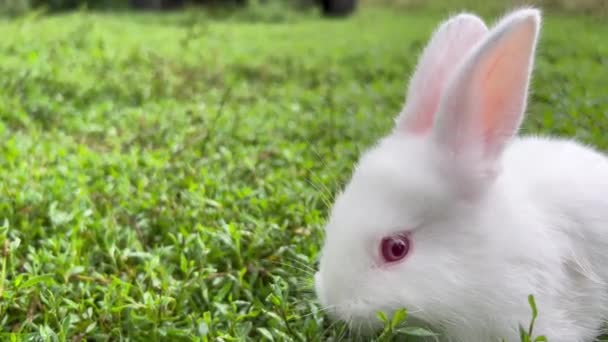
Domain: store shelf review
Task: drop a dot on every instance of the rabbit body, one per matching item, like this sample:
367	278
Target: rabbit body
546	225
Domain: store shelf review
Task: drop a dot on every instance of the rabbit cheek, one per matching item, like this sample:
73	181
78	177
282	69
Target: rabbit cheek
318	283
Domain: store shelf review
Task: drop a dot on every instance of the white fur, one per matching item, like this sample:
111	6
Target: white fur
493	217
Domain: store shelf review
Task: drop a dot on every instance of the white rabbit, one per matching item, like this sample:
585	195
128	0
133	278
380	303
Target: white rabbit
458	220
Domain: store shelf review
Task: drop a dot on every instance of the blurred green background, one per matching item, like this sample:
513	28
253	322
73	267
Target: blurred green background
572	6
165	176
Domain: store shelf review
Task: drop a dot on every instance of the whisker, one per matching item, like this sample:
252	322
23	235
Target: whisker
329	328
324	163
303	270
319	311
326	189
317	154
334	181
302	263
305	287
345	329
327	200
320	185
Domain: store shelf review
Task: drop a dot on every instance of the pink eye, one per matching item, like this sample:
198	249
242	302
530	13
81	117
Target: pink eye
395	248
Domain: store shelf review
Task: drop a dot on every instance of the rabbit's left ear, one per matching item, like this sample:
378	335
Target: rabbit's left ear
450	43
485	100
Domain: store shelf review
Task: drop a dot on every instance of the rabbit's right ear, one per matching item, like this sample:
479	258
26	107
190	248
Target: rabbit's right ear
450	43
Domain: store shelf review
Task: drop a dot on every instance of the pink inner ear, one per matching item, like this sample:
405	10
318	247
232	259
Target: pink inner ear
486	100
420	126
426	104
422	121
504	88
448	47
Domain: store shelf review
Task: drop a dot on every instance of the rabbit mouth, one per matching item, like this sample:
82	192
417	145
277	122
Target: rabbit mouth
361	317
364	328
358	315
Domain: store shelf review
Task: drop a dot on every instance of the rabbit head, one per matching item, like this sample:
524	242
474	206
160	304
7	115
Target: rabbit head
408	230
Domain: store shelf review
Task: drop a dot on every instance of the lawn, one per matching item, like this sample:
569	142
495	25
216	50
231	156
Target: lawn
167	177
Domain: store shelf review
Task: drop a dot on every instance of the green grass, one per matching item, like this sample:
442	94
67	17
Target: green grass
168	177
588	7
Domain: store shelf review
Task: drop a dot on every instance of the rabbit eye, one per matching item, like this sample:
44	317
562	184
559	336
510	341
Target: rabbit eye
395	248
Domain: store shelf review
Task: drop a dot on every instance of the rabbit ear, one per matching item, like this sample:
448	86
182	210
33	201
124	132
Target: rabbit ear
485	100
448	46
